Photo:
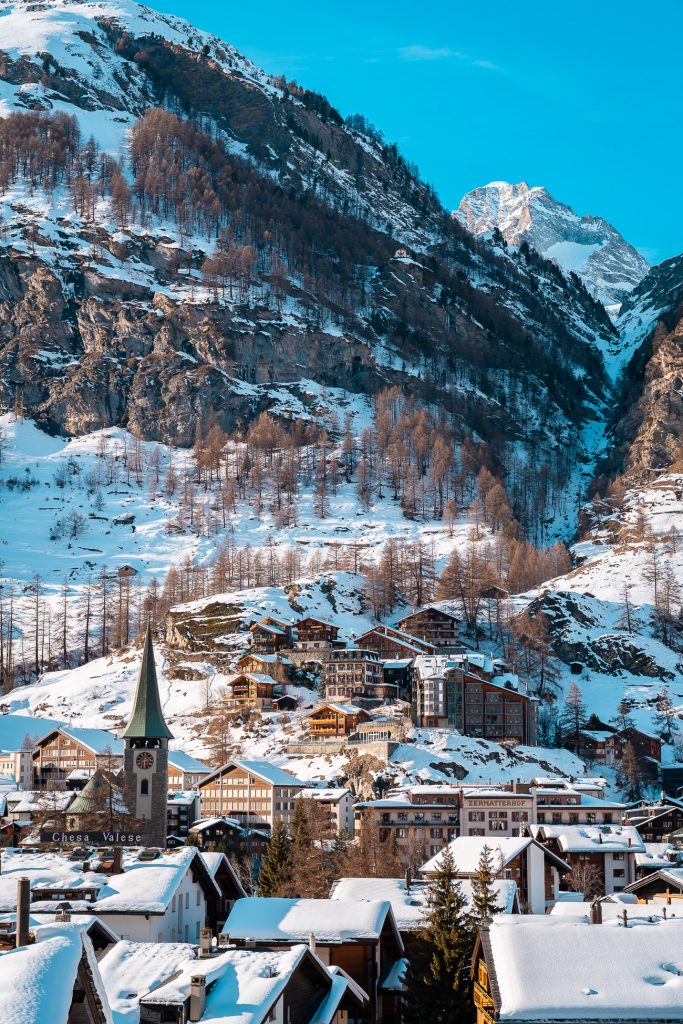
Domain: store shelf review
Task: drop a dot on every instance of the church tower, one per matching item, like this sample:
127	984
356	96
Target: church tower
145	753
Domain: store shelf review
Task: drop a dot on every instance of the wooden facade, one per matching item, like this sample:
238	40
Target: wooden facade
62	751
251	690
435	626
392	644
331	719
314	634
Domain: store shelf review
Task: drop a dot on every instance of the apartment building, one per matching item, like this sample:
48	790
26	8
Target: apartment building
254	793
354	673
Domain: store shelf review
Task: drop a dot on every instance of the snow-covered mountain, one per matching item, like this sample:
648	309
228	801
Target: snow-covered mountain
606	263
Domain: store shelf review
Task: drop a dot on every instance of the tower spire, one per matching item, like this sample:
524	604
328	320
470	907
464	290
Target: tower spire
147	719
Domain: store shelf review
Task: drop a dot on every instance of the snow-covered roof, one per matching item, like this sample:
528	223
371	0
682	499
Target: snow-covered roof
144	887
552	968
15	728
658	855
329	794
185	763
37	980
98	741
270	772
466	851
331	921
47	801
410	905
591	838
671	877
342	709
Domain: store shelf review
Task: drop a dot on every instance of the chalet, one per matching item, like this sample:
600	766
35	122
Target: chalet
184	771
536	869
314	634
592	744
645	745
610	848
663	886
657	857
287	702
332	719
337	804
656	821
434	625
251	690
221	833
356	674
360	937
556	969
35	806
255	793
54	979
270	635
182	810
392	644
229	886
64	749
276	665
451	693
149	896
229	985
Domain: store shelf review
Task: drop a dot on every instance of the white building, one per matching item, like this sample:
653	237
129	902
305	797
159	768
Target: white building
337	802
611	848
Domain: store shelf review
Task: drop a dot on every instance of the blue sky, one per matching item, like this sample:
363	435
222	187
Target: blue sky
582	97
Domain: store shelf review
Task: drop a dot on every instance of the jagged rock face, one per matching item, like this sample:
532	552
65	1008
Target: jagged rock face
609	267
96	323
579	637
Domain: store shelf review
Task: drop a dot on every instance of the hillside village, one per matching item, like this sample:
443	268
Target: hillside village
341	575
158	878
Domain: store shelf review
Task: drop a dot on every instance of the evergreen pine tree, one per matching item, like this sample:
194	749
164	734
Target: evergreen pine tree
484	897
274	874
437	987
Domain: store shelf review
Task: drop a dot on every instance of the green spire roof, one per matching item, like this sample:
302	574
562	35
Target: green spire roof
147	719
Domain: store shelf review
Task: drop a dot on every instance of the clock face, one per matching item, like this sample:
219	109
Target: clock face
144	760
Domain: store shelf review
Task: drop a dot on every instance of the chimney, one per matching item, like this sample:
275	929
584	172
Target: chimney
117	866
63	915
85	866
23	903
630	842
197	997
205	937
596	911
408	879
311	942
600	837
625	917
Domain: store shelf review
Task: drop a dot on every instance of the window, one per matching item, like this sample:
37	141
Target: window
557	817
617	856
476	816
590	818
436	833
520	815
187	901
144	787
619	873
498	826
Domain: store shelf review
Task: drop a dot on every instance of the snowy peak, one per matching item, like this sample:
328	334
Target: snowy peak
590	247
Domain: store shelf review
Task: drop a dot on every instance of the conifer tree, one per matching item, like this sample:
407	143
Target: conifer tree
484	897
437	986
275	871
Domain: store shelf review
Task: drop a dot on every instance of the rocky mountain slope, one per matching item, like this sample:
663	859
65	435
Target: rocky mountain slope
334	262
588	246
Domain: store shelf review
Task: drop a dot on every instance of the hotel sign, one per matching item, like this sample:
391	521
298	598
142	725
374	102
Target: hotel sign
82	838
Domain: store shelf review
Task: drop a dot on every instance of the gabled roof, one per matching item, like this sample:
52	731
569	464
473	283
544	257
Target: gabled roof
97	741
147	719
38	980
428	608
591	838
185	763
262	769
546	968
332	922
342	709
466	851
671	878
